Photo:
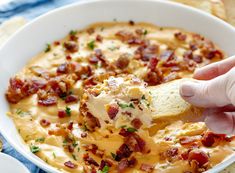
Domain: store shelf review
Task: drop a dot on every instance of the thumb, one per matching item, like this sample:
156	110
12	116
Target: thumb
216	92
220	122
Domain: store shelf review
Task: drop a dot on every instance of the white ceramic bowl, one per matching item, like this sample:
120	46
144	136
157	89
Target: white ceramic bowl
31	39
10	165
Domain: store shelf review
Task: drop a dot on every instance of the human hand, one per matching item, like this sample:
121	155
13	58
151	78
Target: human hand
214	91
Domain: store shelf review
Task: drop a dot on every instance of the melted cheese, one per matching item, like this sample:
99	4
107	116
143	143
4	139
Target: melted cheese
27	113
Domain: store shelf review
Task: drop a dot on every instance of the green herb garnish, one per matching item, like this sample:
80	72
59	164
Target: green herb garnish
40	139
21	113
65	142
34	149
75	144
91	45
113	156
125	105
74	157
131	129
131	105
73	32
123	126
105	169
78	149
145	32
63	96
143	97
68	111
48	48
54	155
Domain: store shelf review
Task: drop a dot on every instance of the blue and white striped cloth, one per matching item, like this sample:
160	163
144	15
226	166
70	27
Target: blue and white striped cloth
29	9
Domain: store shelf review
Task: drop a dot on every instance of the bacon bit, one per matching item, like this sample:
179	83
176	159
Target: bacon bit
135	40
83	135
62	68
102	164
112	110
49	101
123	132
168	55
124	35
172	152
131	22
123	152
99	38
132	162
90	30
56	43
153	63
199	156
19	89
70	165
185	140
68	57
208	139
91	121
123	61
66	68
197	58
70	148
83	70
153	77
91	147
180	36
62	114
89	160
70	126
100	56
89	82
71	98
188	54
122	165
73	38
94	149
213	53
193	46
71	46
136	123
145	52
184	155
146	167
45	123
135	143
168	139
93	59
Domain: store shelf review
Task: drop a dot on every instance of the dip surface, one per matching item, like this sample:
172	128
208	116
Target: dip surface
72	103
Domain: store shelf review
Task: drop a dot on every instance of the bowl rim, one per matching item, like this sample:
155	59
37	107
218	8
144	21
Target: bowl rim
44	165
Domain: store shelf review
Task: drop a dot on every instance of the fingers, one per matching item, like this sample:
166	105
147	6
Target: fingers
215	69
220	122
212	93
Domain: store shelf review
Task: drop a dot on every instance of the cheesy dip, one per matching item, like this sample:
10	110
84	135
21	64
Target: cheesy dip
83	105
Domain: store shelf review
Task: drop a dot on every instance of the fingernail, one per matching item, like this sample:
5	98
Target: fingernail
186	90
